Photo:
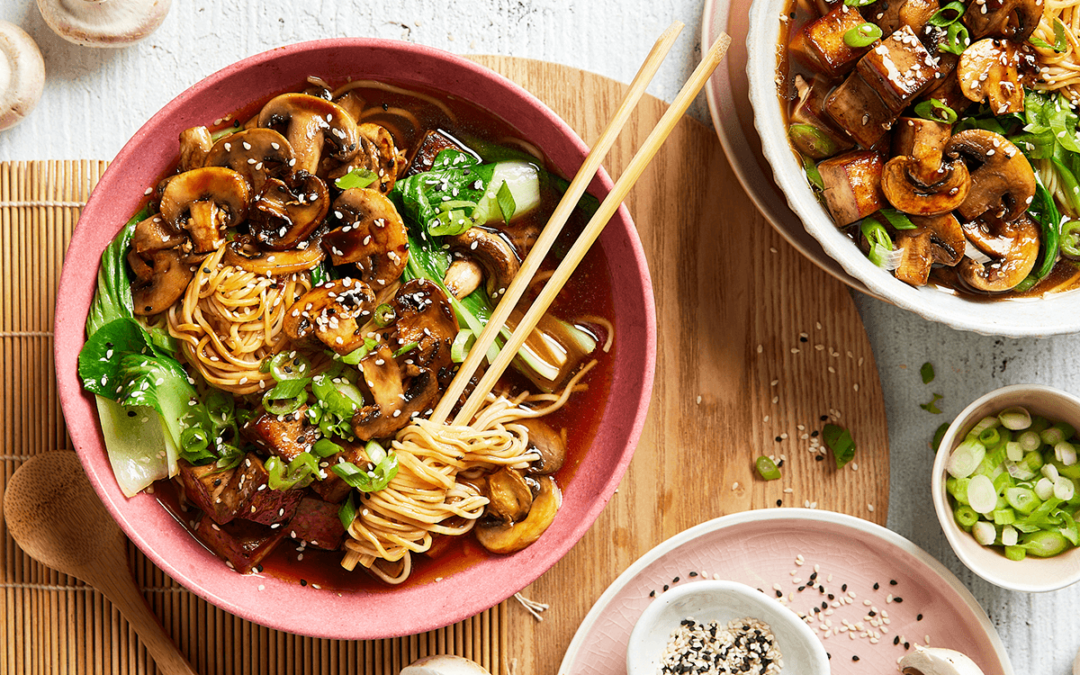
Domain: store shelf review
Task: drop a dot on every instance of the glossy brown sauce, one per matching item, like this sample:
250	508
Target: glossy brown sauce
588	292
1065	275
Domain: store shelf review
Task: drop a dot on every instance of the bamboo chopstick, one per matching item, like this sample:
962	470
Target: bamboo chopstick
596	225
555	224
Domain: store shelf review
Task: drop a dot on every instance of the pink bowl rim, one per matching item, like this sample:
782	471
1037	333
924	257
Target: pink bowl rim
626	410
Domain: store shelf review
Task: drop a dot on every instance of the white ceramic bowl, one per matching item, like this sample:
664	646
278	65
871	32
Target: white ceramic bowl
722	601
1029	317
1031	575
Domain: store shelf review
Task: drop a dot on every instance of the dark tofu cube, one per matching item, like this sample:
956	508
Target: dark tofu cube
332	489
810	109
433	142
858	110
317	523
242	544
204	486
820	44
891	15
259	503
853	185
284	436
946	89
898	69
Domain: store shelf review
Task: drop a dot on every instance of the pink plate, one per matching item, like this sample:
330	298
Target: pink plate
354	614
759	548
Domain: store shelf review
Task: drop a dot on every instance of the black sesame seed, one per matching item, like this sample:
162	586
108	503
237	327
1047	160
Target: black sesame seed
907	645
675	580
803	339
814	433
303	582
779	594
877	586
652	593
779	502
919	618
824	418
801	588
829	655
898	599
692	575
778	439
813	576
131	413
831	596
666	587
821	589
896	640
824	605
854	658
892	582
873	613
819	458
843	588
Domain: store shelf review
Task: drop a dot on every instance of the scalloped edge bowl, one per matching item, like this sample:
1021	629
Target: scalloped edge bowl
1021	317
354	614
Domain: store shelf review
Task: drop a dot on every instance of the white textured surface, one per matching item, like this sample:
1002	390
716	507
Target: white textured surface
95	99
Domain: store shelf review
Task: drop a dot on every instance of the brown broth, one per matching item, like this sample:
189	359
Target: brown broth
589	292
1062	278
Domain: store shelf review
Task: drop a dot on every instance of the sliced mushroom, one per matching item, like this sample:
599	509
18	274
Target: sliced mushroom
509	497
1002	180
24	74
311	123
244	253
990	69
257	154
1013	248
96	23
424	316
205	202
937	661
195	144
502	537
285	215
546	442
938	239
378	155
372	235
904	183
463	277
353	103
396	401
333	312
154	234
167	280
494	254
1013	19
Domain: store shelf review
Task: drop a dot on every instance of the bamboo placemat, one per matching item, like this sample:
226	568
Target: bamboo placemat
53	624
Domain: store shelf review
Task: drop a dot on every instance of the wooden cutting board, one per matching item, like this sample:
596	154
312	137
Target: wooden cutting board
755	346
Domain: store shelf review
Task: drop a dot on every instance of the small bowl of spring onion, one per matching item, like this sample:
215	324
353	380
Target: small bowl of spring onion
1007	487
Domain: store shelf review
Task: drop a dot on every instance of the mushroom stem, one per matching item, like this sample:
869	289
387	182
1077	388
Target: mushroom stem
104	23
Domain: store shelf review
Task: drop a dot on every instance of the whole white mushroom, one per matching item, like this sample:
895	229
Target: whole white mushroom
104	23
22	74
937	661
444	664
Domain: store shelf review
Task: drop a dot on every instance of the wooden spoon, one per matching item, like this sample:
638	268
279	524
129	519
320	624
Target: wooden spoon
55	516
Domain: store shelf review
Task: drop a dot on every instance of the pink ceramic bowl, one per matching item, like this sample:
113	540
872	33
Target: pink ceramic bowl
358	614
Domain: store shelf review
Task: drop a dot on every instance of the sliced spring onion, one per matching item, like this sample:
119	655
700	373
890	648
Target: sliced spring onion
932	406
1015	553
1053	435
1064	489
767	468
965	516
324	447
1009	536
1044	488
863	35
957	489
812	173
405	349
1014	452
463	342
1050	471
1029	440
957	39
1044	543
859	3
898	220
981	494
1016	418
384	315
284	406
1004	516
347	512
966	458
355	356
938	435
1065	452
985	533
357	178
375	451
936	111
988	422
1024	500
927	372
878	239
811	141
1070	239
990	437
947	15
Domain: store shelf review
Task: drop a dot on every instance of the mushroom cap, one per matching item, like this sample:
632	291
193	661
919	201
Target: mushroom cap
902	184
1013	19
333	312
1013	247
991	69
372	235
204	202
509	496
444	664
546	442
1002	182
493	252
245	253
169	279
502	537
285	215
937	661
22	74
101	23
310	123
257	154
396	401
424	316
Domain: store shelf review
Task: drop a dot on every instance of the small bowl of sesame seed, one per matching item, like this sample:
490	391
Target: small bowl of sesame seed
722	627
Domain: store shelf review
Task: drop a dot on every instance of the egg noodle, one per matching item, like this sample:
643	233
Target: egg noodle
431	493
229	320
1060	71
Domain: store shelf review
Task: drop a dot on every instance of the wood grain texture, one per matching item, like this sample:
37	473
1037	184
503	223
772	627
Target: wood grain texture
725	284
734	303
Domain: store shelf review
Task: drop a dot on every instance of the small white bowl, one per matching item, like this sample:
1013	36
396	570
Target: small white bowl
1024	317
1031	575
722	601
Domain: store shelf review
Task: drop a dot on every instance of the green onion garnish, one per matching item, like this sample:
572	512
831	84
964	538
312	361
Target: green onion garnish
812	173
941	17
1070	239
347	512
324	447
938	435
767	468
811	141
863	35
879	240
463	342
898	219
932	407
406	349
859	3
357	178
384	315
936	111
927	372
838	439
